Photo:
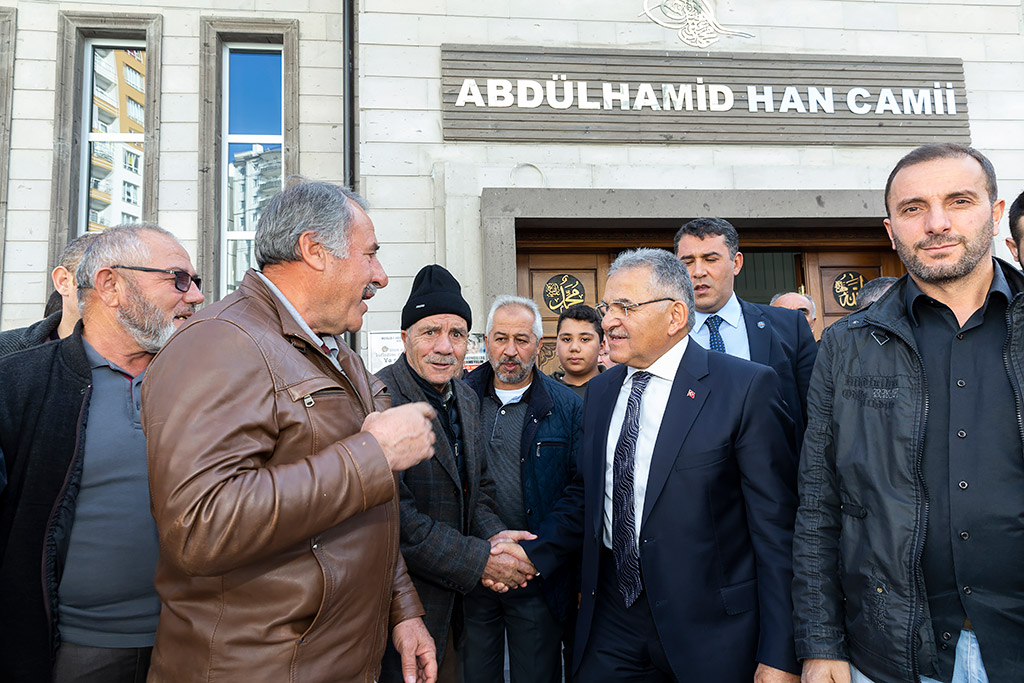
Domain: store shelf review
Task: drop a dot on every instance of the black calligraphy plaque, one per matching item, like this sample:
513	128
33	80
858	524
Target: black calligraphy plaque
562	291
846	287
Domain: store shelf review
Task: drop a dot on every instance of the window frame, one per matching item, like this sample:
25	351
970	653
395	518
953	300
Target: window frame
88	137
214	33
229	139
66	197
8	24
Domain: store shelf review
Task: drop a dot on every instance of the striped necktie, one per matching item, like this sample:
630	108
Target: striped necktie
624	545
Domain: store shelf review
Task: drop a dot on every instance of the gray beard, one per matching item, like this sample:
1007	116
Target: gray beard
146	324
515	377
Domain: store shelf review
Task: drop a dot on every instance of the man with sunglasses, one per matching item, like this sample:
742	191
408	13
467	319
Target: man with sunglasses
78	545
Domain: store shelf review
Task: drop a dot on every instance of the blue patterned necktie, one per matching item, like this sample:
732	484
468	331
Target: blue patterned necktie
624	546
714	337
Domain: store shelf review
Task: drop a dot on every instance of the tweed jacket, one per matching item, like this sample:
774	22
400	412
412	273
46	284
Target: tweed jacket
443	533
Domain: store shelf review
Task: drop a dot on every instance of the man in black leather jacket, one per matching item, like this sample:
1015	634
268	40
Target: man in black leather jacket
908	543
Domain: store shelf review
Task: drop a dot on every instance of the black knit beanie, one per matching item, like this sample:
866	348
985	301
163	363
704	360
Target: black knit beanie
435	291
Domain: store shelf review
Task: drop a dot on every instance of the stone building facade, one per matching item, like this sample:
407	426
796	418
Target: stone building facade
512	212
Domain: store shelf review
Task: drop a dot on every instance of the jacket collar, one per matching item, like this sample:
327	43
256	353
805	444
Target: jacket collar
890	310
72	351
253	286
407	386
538	398
349	364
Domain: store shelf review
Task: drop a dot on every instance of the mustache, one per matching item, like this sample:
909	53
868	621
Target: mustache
370	289
939	241
440	360
510	359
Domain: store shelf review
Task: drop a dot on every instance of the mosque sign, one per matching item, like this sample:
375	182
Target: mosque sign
573	95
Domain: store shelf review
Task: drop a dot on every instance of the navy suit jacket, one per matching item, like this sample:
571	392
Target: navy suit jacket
782	340
717	526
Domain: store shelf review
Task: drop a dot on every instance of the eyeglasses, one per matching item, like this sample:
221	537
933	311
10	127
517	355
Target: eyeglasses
622	310
182	279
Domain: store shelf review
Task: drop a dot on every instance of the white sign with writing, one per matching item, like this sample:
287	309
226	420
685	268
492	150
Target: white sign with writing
935	99
384	349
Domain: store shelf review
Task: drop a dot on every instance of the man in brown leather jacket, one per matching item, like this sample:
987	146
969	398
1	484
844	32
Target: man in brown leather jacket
271	469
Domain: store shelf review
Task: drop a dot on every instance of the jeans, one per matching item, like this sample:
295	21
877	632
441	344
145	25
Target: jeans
967	669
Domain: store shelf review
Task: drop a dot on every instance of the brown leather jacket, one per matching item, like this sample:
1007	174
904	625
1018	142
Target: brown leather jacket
277	516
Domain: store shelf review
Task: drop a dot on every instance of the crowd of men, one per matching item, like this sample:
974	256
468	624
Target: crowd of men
228	494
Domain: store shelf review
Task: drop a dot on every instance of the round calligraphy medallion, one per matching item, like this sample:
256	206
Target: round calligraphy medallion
846	287
563	291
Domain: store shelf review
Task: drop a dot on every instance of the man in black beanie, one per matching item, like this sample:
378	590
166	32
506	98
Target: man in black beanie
449	517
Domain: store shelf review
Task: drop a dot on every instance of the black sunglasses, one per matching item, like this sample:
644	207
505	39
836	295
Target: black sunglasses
182	279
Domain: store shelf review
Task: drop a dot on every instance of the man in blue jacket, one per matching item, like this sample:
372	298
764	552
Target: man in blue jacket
531	427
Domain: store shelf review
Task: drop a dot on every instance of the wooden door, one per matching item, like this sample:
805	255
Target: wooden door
555	282
834	277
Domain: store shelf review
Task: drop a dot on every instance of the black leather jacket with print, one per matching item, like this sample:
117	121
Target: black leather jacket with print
858	589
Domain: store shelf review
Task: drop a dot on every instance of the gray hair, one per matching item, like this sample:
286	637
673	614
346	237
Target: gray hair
669	277
72	254
509	300
814	309
305	206
122	245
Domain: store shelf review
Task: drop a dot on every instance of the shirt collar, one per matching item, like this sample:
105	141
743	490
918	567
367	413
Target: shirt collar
98	361
328	341
667	365
731	313
999	286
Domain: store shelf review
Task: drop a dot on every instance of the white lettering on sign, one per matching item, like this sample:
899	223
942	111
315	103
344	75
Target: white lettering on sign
563	94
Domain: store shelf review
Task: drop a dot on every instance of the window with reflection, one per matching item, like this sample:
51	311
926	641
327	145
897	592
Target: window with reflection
114	129
252	127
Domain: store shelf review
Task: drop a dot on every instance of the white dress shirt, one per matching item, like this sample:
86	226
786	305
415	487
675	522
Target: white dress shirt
733	330
652	410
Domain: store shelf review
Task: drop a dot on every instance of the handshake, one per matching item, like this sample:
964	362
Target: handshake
508	566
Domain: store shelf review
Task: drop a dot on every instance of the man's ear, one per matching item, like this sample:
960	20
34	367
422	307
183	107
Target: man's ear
108	286
680	317
311	252
737	263
63	281
1014	249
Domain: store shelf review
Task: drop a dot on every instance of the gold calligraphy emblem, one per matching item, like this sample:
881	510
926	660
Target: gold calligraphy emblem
694	20
563	291
845	288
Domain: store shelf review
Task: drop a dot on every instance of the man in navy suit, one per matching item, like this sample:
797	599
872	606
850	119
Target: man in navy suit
776	337
684	500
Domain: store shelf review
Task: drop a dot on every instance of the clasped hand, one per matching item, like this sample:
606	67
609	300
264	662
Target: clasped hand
508	566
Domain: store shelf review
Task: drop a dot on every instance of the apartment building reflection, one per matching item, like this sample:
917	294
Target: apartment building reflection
117	123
